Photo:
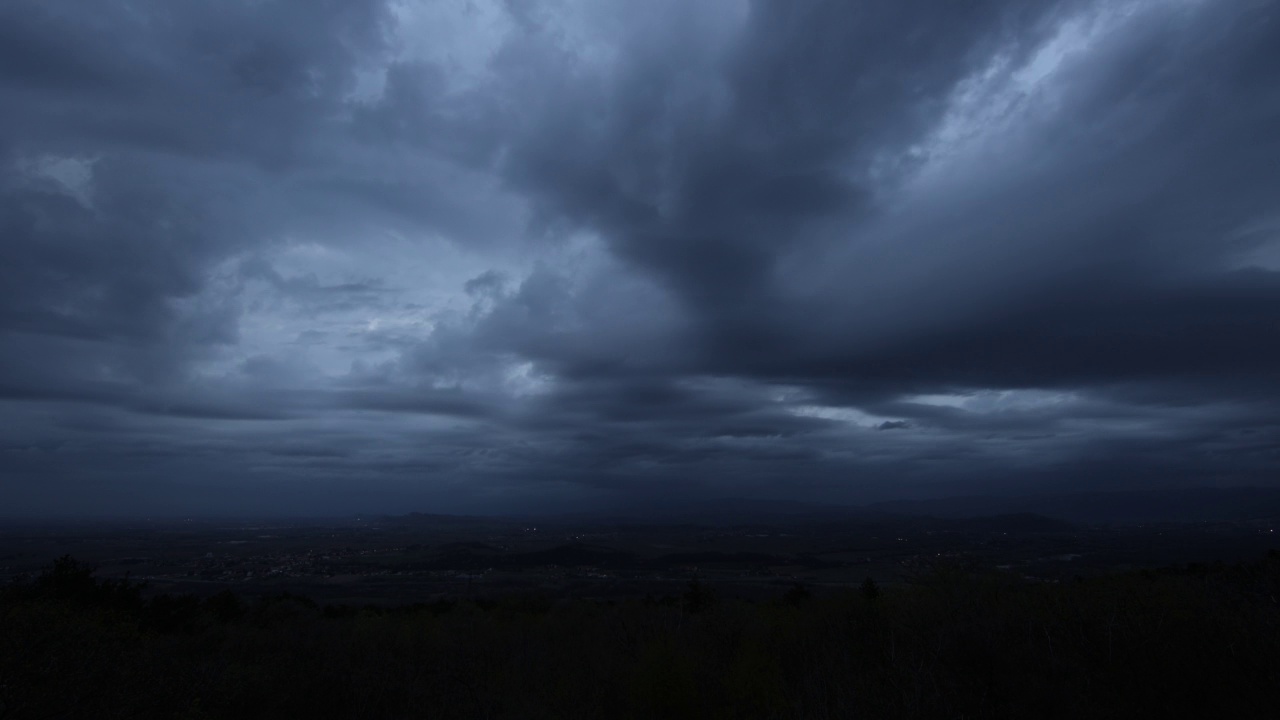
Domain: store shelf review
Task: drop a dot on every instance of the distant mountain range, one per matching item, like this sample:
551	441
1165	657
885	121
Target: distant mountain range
1133	506
1030	513
1175	505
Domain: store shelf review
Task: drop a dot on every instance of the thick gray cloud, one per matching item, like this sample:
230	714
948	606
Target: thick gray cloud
310	257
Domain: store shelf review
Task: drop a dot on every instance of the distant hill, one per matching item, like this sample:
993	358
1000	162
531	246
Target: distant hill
1030	513
1020	523
433	519
736	511
1178	505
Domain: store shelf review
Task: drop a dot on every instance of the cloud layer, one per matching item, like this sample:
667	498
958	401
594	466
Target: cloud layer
320	257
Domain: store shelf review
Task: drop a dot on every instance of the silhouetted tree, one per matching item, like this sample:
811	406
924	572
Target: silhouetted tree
698	597
870	590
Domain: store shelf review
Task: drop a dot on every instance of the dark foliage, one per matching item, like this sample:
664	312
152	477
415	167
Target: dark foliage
1195	641
870	590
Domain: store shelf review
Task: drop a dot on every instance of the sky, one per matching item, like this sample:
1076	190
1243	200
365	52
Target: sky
492	256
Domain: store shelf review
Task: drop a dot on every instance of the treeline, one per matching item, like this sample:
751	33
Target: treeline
1197	641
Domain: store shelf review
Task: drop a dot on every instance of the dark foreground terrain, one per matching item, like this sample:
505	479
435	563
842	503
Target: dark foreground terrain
806	615
955	642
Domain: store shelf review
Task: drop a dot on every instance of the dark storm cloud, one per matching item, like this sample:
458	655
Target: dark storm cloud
339	254
706	170
1102	251
1113	230
220	79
